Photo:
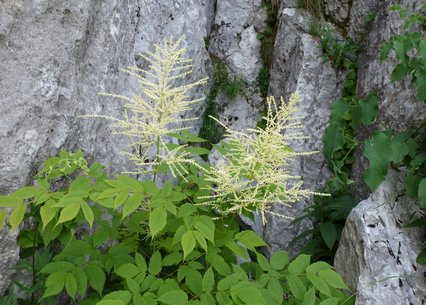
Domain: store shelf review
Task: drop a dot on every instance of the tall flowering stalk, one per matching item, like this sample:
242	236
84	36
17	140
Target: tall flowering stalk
255	174
149	117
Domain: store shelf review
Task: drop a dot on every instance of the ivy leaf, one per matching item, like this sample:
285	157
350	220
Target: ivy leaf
370	109
422	193
188	242
421	84
378	151
398	72
328	234
157	220
333	140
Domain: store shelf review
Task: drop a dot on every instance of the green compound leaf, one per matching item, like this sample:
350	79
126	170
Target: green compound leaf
208	281
188	243
331	301
157	220
319	284
155	263
206	227
309	298
299	264
70	211
332	278
17	216
96	277
128	271
70	285
250	239
175	297
56	267
279	260
378	151
250	296
297	288
54	283
328	234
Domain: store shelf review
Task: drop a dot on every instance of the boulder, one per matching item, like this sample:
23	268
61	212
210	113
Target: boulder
377	254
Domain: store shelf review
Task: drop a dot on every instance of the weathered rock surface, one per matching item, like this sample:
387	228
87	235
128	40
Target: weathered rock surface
9	256
233	38
362	15
56	56
337	10
377	255
298	67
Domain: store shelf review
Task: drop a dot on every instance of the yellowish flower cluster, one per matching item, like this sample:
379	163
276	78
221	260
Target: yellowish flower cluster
150	116
255	174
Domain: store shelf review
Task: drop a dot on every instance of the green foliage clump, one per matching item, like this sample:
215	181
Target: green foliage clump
210	130
410	50
157	246
267	40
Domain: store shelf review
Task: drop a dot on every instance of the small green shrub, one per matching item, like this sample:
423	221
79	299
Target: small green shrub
410	50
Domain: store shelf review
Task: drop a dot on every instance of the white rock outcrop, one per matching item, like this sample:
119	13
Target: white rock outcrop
376	254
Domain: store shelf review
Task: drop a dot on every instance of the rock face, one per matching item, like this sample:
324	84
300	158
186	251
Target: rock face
9	256
377	256
56	56
233	38
298	67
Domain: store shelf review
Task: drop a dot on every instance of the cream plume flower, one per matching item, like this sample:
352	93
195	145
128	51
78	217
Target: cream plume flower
149	117
255	174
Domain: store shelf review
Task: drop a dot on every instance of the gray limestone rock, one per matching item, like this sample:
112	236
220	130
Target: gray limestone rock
376	254
361	17
233	38
56	56
298	67
9	256
337	10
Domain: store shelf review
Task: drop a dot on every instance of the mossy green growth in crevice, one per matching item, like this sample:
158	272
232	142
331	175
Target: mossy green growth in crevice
313	7
221	83
267	41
